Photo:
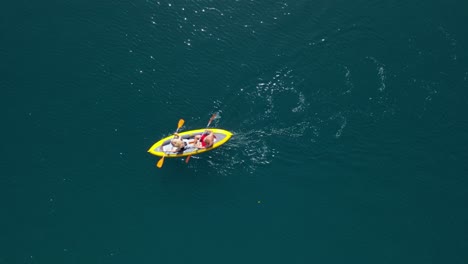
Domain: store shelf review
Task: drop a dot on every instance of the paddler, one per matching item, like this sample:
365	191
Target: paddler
205	140
177	143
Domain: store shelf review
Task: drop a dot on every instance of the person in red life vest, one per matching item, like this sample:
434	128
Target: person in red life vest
205	140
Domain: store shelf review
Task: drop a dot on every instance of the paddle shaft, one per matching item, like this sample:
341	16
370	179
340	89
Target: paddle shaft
161	161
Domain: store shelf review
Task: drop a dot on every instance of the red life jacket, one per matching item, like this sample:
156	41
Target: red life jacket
202	139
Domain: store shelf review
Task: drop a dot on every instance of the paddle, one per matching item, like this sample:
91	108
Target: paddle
161	161
209	122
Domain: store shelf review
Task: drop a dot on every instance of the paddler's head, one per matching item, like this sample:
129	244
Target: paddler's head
176	142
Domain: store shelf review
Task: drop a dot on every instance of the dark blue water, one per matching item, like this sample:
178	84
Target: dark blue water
349	122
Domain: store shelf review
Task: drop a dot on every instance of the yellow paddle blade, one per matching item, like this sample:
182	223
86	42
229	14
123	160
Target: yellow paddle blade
180	124
160	162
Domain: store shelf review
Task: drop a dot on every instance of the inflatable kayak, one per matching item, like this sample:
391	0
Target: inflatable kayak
162	147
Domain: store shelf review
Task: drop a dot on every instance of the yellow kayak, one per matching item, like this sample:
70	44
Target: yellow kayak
162	147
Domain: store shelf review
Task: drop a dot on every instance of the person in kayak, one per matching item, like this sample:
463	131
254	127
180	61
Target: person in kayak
178	144
205	140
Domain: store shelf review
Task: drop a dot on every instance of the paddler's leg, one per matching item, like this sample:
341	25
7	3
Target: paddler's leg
195	141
